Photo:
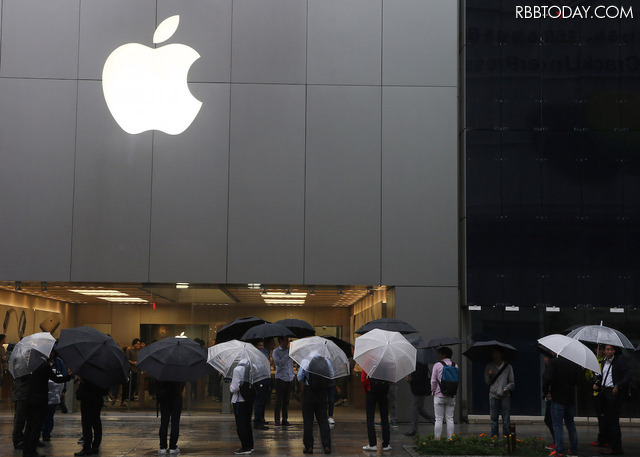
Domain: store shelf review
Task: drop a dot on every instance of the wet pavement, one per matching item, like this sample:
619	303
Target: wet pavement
213	434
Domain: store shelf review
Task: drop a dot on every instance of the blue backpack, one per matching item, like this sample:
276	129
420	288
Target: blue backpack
450	379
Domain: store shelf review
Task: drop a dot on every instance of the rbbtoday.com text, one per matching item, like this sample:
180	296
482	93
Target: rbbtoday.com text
574	12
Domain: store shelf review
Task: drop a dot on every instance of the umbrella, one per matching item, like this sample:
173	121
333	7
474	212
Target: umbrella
599	334
31	352
391	325
300	328
264	331
177	359
93	356
571	349
425	355
224	357
346	347
320	356
439	341
482	351
385	355
235	329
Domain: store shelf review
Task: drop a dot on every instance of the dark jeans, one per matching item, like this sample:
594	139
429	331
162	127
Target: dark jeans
19	421
242	411
500	407
262	394
91	424
47	424
35	416
602	424
611	410
331	399
547	419
383	405
559	413
170	410
283	394
314	403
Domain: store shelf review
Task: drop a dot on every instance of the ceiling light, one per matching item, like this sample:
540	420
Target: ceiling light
284	295
283	301
103	292
254	285
182	285
124	299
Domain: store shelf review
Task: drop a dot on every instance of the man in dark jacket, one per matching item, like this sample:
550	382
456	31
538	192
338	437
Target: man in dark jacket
419	381
19	395
614	388
37	402
91	399
558	385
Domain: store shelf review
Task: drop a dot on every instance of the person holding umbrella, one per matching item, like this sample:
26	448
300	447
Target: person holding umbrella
616	379
263	388
314	401
284	381
91	403
242	400
169	398
376	391
498	375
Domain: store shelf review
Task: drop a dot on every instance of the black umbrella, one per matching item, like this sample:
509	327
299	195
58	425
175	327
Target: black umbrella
346	347
93	356
177	359
482	351
264	331
392	325
439	341
424	355
300	328
235	329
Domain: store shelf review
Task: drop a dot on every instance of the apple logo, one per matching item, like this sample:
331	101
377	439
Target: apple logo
146	88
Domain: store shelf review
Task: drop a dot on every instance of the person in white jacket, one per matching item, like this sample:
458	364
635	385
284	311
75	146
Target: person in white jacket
242	407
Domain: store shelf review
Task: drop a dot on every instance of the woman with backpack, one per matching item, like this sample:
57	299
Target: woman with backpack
444	400
376	391
243	395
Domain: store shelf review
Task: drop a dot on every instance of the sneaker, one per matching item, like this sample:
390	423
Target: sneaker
286	423
174	451
369	448
394	424
556	454
277	423
242	451
551	447
387	447
331	421
570	453
162	451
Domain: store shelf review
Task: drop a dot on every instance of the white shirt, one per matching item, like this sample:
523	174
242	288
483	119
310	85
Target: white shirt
607	373
236	382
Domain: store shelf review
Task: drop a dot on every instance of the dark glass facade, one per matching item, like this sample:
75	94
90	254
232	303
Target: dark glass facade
552	131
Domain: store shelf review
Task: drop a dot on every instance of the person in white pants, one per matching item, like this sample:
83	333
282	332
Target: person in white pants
443	406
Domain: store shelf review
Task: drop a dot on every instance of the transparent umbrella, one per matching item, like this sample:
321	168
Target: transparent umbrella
571	349
385	355
306	352
600	334
224	357
31	352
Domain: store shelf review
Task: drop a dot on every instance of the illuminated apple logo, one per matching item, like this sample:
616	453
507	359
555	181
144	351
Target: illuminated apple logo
146	88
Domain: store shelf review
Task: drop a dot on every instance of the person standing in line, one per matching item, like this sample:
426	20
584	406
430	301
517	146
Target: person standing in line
91	399
36	405
284	381
169	398
314	402
19	395
3	362
56	395
242	406
419	383
393	404
443	405
132	355
548	421
616	378
376	392
331	402
262	388
596	379
559	383
498	375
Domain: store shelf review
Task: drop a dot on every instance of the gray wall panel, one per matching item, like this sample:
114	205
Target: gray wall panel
111	216
266	192
420	42
205	25
190	192
419	162
106	25
37	135
40	39
269	41
344	42
342	222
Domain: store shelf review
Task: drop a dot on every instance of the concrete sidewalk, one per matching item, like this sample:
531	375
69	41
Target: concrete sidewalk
204	434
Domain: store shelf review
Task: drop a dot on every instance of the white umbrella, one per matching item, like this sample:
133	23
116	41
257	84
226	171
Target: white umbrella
572	350
385	355
31	352
224	357
307	351
602	335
